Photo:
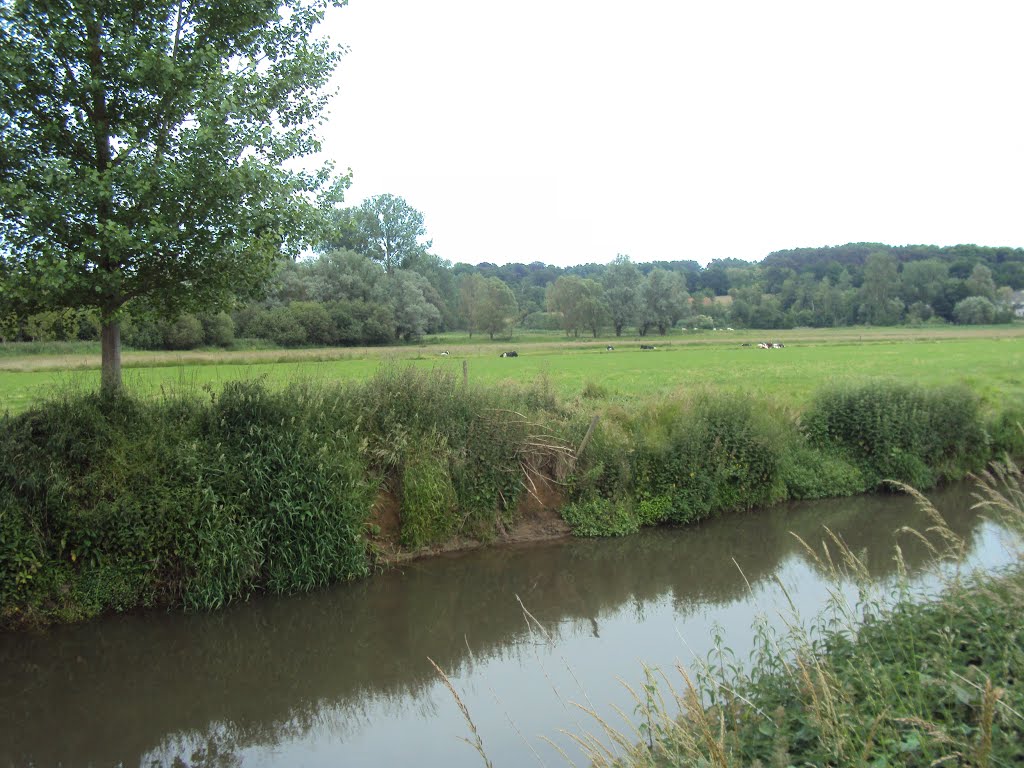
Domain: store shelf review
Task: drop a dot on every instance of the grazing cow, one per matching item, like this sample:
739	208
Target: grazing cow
646	346
762	345
513	353
778	345
610	348
445	353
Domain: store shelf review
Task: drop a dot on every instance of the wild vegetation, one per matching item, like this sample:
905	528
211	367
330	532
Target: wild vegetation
197	499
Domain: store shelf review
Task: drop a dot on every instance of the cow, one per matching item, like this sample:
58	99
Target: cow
445	353
647	346
513	353
610	348
745	344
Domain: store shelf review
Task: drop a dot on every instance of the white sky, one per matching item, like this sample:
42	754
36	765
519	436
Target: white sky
567	131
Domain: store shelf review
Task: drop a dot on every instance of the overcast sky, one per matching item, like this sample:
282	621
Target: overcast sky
568	131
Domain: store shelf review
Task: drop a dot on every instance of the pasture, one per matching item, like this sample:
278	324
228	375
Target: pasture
990	361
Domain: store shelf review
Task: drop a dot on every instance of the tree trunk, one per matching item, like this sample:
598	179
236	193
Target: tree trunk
110	369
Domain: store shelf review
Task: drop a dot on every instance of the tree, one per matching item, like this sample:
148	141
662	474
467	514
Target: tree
385	228
580	301
621	291
412	314
663	301
879	290
142	149
472	292
974	310
980	283
497	309
923	281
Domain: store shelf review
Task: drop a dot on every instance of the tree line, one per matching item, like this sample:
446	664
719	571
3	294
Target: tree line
373	280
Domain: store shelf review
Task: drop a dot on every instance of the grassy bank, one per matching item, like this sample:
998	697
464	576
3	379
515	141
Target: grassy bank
870	684
200	498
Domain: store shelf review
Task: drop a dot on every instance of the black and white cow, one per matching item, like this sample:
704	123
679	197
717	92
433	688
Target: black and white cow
647	346
513	353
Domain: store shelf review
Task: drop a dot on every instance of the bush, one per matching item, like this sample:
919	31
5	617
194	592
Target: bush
401	408
720	454
819	474
899	432
106	504
218	329
185	332
315	320
974	310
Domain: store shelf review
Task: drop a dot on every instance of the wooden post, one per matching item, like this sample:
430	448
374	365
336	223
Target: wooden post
586	437
465	373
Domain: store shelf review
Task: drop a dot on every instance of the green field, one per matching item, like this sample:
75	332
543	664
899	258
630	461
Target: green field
989	360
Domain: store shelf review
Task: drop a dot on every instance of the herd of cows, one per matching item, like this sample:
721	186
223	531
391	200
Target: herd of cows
610	348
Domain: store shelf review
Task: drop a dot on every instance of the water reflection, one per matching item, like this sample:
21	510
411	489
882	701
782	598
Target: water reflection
340	677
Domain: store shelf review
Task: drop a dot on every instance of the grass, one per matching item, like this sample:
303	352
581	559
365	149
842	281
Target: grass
988	361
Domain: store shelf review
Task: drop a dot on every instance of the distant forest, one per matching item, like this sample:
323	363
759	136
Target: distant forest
374	280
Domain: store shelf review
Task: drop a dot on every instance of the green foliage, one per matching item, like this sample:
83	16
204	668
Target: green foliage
819	474
107	505
218	329
401	409
601	517
429	504
974	310
184	332
900	432
721	453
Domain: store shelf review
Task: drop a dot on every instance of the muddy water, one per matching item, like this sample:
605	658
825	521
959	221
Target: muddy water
341	677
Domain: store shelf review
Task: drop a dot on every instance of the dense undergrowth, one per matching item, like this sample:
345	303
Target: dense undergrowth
200	499
869	683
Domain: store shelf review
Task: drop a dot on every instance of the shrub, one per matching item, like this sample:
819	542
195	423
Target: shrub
900	432
819	474
974	310
112	503
218	329
185	332
480	430
315	320
722	453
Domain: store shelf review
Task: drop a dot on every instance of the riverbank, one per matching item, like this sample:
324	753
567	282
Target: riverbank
873	684
197	501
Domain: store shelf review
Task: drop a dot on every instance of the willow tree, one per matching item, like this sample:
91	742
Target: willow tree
147	152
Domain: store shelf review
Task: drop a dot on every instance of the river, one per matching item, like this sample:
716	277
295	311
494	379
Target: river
342	678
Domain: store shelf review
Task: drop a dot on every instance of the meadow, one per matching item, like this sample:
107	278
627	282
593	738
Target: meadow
989	361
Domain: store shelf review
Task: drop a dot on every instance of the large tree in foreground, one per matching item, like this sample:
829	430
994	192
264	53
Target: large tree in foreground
143	146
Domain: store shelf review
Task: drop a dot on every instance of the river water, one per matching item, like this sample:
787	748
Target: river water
342	678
